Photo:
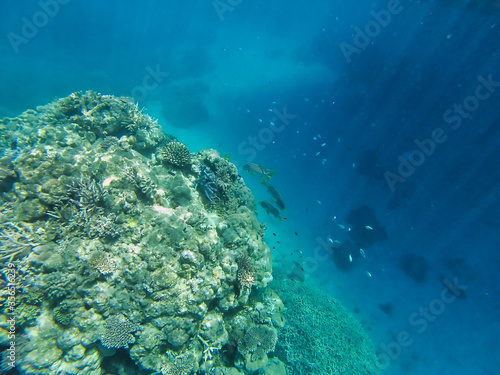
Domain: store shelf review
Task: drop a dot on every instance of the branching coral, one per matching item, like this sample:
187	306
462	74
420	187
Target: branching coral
87	195
175	153
15	241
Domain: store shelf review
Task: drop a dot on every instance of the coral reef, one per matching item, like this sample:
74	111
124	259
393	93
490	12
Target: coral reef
117	253
320	336
117	334
128	254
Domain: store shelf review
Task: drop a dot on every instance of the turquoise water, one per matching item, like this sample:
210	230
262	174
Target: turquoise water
379	118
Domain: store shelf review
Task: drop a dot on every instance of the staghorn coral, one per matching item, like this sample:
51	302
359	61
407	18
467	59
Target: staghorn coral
175	153
16	241
87	195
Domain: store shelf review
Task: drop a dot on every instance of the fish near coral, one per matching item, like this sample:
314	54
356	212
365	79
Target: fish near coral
277	198
271	210
258	170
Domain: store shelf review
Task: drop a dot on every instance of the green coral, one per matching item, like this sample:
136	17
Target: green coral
320	336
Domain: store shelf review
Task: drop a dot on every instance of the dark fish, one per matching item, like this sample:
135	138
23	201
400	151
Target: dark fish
296	234
270	209
258	170
274	234
278	199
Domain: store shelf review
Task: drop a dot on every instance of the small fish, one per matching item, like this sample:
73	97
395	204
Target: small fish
350	258
368	227
297	250
296	234
329	239
278	242
337	242
319	202
362	252
368	274
323	144
341	226
274	234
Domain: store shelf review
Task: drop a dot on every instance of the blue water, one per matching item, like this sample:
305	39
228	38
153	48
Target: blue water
335	96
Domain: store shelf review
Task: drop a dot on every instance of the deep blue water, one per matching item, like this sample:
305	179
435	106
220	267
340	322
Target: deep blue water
278	82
